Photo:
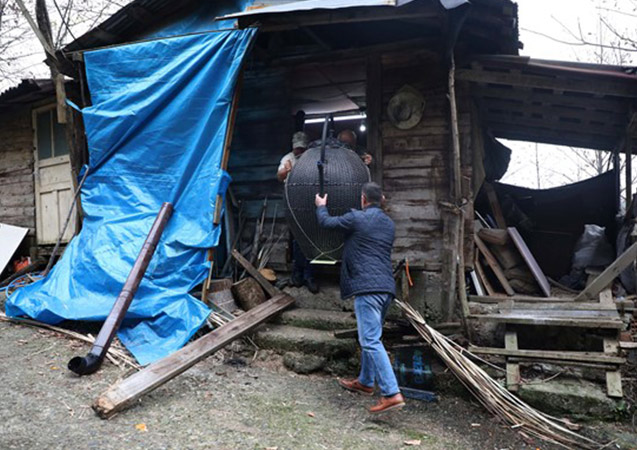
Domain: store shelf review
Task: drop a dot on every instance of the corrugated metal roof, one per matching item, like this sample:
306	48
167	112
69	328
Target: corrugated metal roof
310	5
28	91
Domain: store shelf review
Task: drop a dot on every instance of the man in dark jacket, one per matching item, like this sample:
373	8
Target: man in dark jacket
366	274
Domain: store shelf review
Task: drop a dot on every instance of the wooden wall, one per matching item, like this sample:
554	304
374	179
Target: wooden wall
17	200
263	132
416	175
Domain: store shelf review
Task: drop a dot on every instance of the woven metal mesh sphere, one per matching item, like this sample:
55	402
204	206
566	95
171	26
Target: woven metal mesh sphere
344	175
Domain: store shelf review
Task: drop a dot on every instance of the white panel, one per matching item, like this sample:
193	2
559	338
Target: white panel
10	239
49	227
65	198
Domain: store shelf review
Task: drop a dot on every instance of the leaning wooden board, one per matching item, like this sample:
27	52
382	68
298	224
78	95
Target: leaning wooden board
530	261
127	391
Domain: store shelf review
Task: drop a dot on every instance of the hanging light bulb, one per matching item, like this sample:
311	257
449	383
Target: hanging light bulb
363	127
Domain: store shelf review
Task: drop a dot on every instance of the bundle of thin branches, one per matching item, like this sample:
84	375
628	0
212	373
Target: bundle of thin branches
115	354
491	394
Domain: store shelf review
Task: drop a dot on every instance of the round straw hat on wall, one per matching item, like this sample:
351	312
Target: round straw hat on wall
405	108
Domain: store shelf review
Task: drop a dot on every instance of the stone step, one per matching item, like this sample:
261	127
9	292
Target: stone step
580	399
328	297
317	319
288	338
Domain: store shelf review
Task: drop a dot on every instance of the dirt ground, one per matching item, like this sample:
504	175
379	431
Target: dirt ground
227	401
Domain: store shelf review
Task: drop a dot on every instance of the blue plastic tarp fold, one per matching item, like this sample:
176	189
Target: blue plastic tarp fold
155	131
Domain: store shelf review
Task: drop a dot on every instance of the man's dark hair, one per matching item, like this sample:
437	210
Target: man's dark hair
373	193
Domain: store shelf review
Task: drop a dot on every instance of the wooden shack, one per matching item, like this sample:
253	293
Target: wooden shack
350	59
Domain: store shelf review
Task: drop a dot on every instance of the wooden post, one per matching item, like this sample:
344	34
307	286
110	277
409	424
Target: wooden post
456	187
228	142
224	166
628	151
374	113
617	169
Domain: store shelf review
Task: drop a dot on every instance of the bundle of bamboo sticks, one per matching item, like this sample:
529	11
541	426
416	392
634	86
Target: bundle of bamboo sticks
492	395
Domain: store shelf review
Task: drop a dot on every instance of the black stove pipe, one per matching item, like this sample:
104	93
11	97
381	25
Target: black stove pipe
321	162
90	363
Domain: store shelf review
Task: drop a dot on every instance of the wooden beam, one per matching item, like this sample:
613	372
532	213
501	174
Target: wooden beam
530	261
425	15
548	99
628	150
228	142
494	236
616	117
562	84
495	266
512	369
597	357
578	322
483	277
129	390
265	284
551	123
609	274
613	377
374	114
494	203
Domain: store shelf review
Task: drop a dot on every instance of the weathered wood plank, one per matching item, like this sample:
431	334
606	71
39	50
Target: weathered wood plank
127	391
530	261
618	88
493	263
512	369
551	321
518	298
609	274
550	355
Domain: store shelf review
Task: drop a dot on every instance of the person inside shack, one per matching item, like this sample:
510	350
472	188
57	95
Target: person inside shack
302	270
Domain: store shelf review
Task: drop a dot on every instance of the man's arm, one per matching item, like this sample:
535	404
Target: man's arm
284	170
345	222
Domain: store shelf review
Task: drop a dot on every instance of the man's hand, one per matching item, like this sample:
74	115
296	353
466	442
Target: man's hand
320	201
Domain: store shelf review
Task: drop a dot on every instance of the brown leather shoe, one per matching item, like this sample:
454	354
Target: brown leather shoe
388	403
355	386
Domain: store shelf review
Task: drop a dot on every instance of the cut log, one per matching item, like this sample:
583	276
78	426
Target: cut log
126	392
248	293
265	284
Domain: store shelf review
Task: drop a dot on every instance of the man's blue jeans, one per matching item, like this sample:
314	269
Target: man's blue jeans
375	365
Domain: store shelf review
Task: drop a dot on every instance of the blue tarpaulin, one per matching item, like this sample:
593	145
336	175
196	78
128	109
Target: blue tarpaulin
155	131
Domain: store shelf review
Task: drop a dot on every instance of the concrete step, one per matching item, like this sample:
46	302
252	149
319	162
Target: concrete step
328	297
576	398
287	338
317	319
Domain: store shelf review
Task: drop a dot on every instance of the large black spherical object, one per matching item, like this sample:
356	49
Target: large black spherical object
344	175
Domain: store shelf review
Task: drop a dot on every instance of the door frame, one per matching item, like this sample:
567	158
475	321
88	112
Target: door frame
55	160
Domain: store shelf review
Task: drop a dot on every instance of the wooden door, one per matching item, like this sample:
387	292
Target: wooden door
53	181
